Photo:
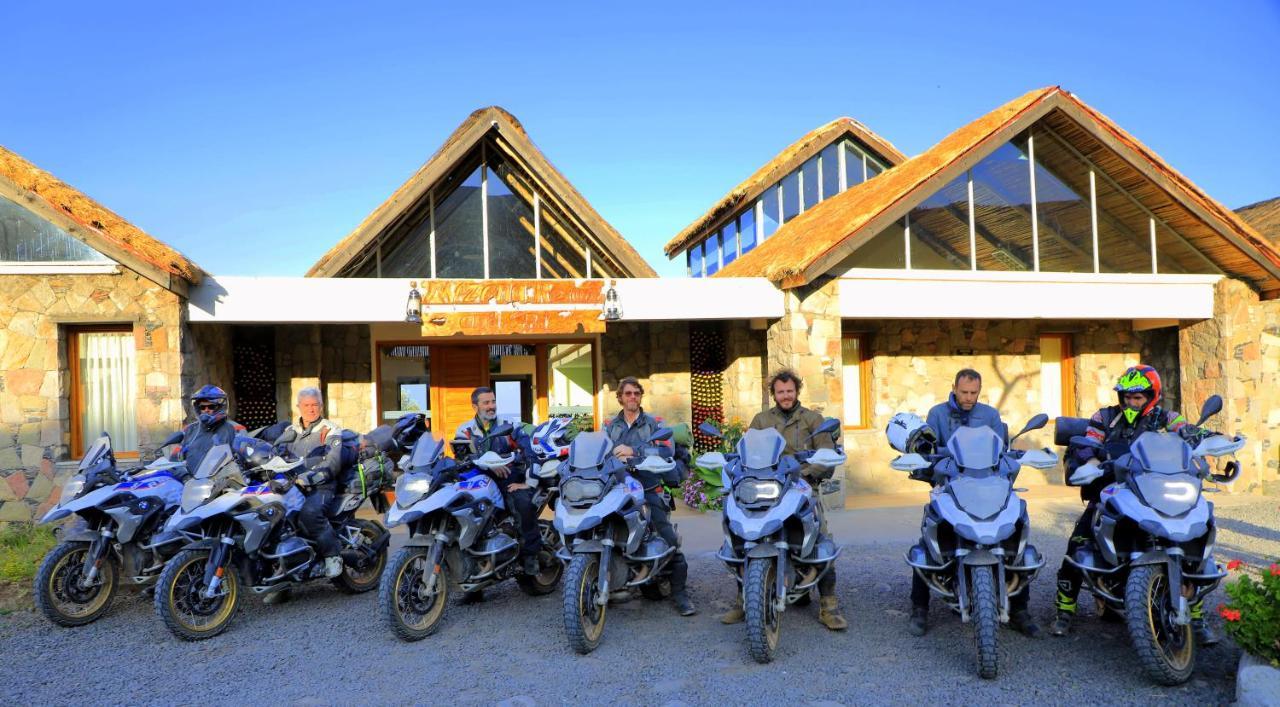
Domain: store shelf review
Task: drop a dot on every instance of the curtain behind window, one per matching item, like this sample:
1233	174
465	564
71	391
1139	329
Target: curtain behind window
108	388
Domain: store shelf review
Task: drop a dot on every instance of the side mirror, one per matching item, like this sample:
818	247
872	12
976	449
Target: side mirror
828	426
1034	423
1211	407
710	430
1231	472
909	462
712	460
1039	459
662	435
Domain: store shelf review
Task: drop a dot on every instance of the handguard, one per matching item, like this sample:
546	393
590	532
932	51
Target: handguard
1086	473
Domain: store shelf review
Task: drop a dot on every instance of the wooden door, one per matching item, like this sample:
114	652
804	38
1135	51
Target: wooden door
455	372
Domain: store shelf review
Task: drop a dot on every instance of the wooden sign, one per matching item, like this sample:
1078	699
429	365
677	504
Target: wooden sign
522	293
505	307
572	321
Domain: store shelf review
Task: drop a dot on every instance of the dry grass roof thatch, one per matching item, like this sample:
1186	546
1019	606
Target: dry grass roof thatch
1264	216
464	139
775	169
93	223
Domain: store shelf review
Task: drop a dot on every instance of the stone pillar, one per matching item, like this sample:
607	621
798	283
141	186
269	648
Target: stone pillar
807	340
1237	355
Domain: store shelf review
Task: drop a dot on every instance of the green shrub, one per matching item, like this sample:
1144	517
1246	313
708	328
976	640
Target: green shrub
22	546
1253	616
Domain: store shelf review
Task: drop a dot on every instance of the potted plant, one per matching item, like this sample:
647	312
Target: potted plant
1252	619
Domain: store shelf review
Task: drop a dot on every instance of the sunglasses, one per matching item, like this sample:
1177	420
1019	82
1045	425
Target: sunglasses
632	394
208	407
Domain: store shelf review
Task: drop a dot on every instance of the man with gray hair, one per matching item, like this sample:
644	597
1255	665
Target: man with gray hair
319	442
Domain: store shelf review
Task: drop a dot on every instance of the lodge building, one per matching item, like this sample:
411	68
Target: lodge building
1040	244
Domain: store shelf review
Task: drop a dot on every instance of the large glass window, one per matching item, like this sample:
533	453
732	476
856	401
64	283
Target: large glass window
407	256
747	230
1124	231
511	245
104	387
1002	208
459	231
812	183
563	256
940	229
27	238
790	196
1062	208
888	249
729	242
852	165
873	168
769	212
830	171
572	381
404	384
711	254
1173	255
1056	381
695	260
856	387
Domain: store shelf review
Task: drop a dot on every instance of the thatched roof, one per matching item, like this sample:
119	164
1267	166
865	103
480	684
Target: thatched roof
816	240
1264	216
465	138
775	169
94	224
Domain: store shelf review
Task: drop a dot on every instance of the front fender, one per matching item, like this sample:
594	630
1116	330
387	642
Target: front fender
202	544
763	550
980	557
585	546
1151	557
79	533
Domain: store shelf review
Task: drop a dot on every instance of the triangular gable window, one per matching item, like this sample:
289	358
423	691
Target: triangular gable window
486	219
28	238
1033	204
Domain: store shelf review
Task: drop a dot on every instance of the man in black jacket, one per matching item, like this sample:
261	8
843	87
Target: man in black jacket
630	431
211	428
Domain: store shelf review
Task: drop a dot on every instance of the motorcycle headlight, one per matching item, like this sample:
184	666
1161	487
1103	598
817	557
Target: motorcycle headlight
579	490
410	488
751	491
195	493
72	488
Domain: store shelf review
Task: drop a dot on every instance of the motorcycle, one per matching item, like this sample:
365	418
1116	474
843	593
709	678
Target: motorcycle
1154	532
974	551
238	512
120	513
460	534
773	545
607	537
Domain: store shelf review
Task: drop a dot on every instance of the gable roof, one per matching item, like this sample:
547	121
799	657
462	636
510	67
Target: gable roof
97	226
815	241
459	144
1264	216
781	165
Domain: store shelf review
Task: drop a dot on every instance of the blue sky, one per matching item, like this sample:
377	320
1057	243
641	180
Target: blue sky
253	137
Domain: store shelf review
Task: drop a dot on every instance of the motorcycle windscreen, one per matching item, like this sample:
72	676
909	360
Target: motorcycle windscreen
426	451
589	450
96	453
761	449
213	461
980	497
976	447
1162	453
1169	494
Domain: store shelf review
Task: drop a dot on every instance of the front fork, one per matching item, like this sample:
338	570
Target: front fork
216	566
437	554
93	559
606	557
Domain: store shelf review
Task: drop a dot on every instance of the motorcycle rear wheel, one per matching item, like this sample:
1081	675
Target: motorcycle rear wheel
986	620
583	617
545	582
181	606
58	594
1166	651
764	622
657	590
355	581
409	614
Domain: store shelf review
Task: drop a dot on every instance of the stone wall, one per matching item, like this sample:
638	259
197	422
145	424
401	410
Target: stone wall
1237	355
746	354
35	413
206	360
336	358
657	353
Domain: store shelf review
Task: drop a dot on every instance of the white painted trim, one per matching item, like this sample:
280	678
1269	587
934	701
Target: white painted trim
1093	215
973	224
841	159
537	236
1035	219
484	219
88	267
431	205
1151	221
674	299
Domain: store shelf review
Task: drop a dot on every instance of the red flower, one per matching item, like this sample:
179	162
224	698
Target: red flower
1229	614
1234	565
1275	570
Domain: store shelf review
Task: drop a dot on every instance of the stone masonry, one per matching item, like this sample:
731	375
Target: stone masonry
657	353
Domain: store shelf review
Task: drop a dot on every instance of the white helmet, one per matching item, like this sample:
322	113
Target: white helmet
908	433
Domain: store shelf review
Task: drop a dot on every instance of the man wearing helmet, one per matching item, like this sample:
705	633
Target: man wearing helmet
1115	427
961	409
319	442
211	428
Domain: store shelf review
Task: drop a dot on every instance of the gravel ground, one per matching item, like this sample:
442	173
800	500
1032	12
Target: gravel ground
326	648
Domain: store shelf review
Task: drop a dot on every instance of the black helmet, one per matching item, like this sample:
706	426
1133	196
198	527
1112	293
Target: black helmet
252	452
408	429
210	394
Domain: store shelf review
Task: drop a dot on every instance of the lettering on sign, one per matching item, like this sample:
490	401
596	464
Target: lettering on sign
522	293
573	321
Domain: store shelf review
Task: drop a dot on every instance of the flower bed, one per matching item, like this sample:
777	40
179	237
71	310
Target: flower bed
1253	615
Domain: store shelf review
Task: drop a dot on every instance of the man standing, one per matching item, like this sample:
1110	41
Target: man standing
797	425
511	479
962	409
629	431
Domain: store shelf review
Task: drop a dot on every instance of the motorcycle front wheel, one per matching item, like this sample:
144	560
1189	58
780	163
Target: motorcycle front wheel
764	622
180	600
1166	650
409	610
986	619
59	594
583	616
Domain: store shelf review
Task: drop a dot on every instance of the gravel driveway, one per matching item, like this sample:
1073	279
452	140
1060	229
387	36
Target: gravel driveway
325	648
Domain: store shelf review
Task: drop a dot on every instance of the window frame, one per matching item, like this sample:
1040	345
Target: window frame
864	379
1066	366
75	396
